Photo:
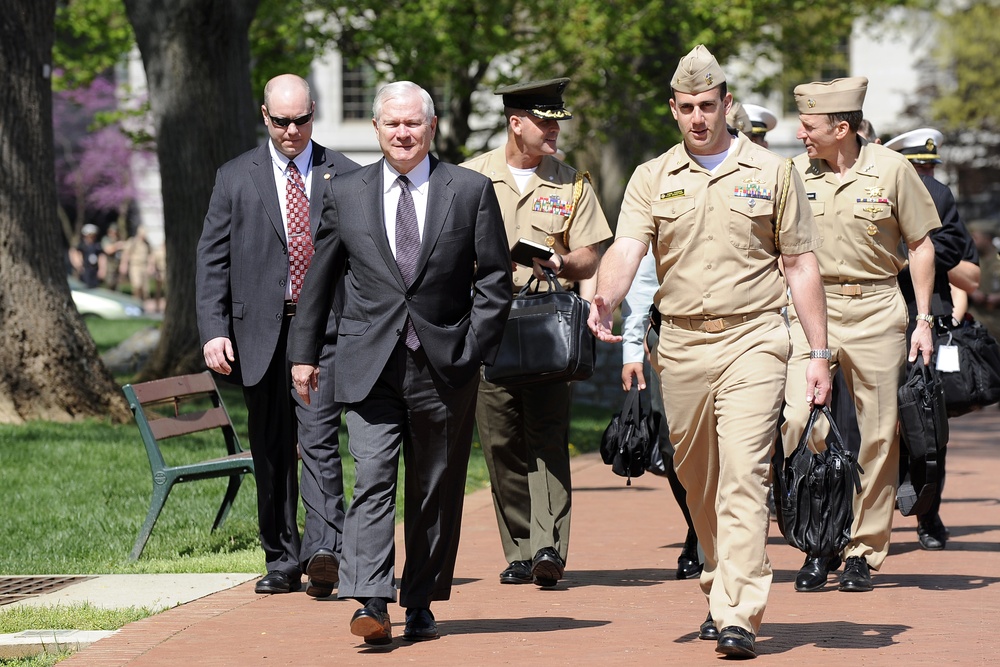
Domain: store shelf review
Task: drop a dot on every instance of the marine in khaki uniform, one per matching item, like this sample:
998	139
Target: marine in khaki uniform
525	431
866	200
711	206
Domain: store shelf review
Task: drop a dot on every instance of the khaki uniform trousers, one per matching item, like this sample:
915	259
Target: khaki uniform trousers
722	396
525	436
867	337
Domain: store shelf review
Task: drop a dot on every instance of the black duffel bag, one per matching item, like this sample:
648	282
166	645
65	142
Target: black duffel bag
976	382
630	438
814	493
923	434
546	338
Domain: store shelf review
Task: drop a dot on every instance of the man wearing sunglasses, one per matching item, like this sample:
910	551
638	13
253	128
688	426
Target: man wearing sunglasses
254	251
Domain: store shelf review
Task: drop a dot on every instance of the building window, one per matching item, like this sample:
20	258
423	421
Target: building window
358	85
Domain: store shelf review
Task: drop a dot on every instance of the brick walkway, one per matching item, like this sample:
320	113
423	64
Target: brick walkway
620	604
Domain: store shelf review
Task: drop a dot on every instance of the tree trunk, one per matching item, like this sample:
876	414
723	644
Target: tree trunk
49	366
196	55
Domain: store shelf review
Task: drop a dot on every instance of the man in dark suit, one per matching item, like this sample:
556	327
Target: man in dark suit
428	289
956	263
254	251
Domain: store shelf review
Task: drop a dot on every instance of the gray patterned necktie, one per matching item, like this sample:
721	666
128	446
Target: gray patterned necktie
407	247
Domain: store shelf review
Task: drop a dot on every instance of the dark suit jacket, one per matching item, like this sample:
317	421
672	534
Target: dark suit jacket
952	243
243	256
461	292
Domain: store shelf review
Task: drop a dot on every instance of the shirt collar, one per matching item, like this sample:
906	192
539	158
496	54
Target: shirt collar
418	176
303	160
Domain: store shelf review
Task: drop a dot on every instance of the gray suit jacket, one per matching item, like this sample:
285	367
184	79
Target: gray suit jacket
243	256
459	298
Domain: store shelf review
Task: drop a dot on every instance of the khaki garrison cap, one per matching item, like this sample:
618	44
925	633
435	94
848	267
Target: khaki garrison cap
738	119
919	146
697	72
837	96
542	99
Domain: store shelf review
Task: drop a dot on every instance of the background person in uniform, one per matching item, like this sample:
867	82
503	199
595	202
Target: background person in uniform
867	131
956	271
135	263
866	200
427	294
711	206
762	121
738	120
253	250
639	343
88	257
112	247
525	430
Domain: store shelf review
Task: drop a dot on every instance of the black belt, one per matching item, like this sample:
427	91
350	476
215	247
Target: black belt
290	309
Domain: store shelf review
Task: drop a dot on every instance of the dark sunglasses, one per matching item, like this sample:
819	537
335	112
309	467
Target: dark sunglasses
285	122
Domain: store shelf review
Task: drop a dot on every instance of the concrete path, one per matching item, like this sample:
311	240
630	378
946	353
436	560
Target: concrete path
620	603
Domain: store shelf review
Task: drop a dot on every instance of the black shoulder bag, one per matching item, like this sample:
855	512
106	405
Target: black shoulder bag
815	492
629	438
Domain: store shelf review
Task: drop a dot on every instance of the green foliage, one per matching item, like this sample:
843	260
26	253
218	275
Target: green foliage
43	660
284	39
92	36
967	49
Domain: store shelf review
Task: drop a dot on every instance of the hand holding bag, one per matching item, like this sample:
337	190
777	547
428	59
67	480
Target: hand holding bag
628	439
815	492
923	431
546	338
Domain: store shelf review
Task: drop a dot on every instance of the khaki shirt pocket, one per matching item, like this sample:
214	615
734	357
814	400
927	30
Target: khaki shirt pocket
750	222
870	218
674	221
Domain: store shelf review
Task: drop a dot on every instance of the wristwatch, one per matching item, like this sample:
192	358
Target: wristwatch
925	318
562	263
820	354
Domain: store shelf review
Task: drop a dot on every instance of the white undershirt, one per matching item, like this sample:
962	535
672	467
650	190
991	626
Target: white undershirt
522	176
712	162
419	177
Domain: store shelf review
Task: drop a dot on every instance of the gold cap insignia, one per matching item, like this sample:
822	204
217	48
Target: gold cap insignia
811	102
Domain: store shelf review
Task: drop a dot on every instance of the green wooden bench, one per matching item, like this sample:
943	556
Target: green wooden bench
163	409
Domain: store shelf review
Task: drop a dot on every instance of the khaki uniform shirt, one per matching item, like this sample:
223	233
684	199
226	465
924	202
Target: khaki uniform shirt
863	217
542	213
714	233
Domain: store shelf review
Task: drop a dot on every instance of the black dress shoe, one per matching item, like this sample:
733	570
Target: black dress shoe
708	630
736	642
931	532
518	572
547	567
372	623
688	565
277	581
420	625
324	572
813	573
857	578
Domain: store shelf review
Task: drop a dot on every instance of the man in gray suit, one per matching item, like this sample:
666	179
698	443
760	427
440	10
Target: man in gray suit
428	289
254	250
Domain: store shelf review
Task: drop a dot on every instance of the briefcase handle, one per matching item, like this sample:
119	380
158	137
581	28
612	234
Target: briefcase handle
550	277
837	444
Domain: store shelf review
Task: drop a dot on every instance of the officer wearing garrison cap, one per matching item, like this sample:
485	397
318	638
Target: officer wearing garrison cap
956	263
866	200
720	212
738	119
525	430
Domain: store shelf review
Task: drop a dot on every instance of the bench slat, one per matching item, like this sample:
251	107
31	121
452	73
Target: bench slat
191	422
183	385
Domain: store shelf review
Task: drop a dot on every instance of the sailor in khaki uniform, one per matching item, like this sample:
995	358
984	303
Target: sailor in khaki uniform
525	431
866	200
711	206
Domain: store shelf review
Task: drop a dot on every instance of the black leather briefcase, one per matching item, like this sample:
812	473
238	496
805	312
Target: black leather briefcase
546	338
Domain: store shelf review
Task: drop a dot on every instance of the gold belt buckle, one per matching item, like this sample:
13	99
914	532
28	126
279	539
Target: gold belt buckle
851	290
715	326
